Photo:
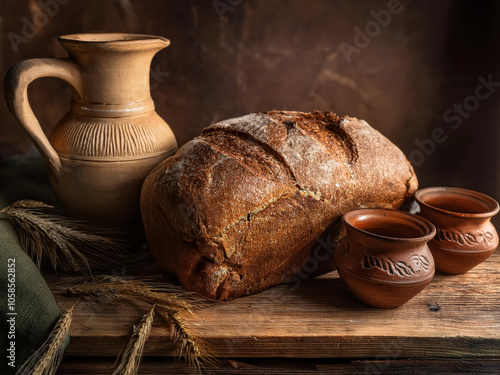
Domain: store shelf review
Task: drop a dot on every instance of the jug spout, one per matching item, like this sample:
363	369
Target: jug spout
114	67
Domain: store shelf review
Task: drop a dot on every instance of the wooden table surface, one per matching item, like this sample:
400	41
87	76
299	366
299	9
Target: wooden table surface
318	327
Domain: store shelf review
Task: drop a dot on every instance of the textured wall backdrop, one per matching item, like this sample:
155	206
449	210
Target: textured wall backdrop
424	73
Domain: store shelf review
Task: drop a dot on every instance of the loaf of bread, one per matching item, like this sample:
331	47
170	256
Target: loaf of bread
239	208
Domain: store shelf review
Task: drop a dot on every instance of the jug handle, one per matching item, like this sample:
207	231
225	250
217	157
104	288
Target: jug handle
16	83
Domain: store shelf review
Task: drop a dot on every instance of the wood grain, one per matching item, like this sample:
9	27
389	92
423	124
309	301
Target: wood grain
455	316
159	366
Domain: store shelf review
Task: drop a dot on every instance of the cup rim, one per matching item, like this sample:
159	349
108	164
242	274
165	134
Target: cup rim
428	229
486	199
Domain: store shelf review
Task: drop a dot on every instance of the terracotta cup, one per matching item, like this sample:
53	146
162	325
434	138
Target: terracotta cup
465	235
384	258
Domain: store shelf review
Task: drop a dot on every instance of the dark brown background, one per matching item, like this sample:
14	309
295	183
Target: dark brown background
285	54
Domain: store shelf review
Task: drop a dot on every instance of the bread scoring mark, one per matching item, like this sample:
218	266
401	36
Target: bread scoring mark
251	140
250	214
345	140
315	123
231	152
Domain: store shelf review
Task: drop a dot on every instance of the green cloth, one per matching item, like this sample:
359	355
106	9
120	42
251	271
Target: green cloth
35	307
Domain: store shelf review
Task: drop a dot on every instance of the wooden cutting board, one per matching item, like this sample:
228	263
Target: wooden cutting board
455	316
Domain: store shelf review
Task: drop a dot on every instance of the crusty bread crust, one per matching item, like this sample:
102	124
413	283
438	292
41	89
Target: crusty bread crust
238	208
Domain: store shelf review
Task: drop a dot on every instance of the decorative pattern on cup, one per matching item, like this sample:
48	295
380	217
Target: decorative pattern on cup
417	263
473	238
400	268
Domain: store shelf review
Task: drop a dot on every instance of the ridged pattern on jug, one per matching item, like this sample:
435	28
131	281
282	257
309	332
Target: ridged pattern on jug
116	138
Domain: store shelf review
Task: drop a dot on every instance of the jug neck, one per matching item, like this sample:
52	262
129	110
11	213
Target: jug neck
114	71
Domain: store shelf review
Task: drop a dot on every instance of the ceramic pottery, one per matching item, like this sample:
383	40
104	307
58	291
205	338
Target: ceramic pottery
465	235
384	259
101	151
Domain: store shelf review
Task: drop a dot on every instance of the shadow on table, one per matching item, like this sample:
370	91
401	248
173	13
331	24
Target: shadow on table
328	291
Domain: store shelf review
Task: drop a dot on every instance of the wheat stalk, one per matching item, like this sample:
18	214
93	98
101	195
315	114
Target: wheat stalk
110	287
132	356
169	299
62	242
47	358
193	349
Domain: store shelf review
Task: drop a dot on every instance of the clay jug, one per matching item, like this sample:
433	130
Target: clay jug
101	151
384	259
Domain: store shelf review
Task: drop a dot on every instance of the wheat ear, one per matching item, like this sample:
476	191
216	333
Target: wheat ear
132	356
109	287
62	242
193	349
47	358
169	299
